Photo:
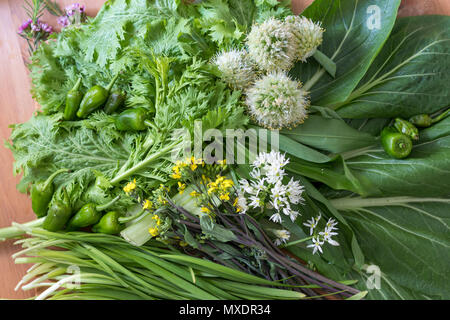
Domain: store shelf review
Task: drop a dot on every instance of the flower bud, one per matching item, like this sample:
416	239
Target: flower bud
275	101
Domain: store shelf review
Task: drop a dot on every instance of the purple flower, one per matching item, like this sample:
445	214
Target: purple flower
36	27
71	10
45	27
63	21
25	25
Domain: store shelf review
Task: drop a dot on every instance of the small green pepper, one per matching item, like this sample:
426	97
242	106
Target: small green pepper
89	214
421	120
42	193
73	100
115	101
113	223
407	128
94	98
133	120
396	144
109	224
424	120
58	214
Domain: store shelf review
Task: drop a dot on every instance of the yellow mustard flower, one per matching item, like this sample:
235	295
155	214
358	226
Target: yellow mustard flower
194	194
130	186
181	187
225	196
147	204
205	210
153	231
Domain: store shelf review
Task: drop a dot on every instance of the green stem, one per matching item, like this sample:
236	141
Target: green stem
142	164
441	116
358	202
327	63
13	231
110	85
107	205
77	84
131	218
308	85
52	176
295	242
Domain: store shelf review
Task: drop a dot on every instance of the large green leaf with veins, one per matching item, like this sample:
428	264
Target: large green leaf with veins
407	239
350	40
410	75
426	171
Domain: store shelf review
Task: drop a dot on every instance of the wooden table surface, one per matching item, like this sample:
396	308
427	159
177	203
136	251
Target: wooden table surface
17	105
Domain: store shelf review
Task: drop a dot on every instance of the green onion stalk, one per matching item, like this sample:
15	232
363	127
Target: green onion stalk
79	265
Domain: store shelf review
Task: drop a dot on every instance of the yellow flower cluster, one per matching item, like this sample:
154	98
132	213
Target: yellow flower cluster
191	163
222	186
147	204
154	231
130	186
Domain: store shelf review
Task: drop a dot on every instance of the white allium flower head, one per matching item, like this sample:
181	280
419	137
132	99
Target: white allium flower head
282	236
236	68
309	35
275	101
272	45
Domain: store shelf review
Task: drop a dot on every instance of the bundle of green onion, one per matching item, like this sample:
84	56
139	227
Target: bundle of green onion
77	265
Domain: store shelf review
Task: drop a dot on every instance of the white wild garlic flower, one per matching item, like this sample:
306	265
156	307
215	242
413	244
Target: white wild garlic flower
281	236
309	36
236	68
322	237
272	45
266	189
275	101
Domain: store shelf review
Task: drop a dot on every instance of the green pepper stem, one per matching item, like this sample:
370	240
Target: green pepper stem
131	218
107	205
77	85
52	176
441	116
110	85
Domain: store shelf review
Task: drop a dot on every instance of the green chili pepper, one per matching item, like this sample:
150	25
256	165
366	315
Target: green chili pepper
58	214
133	120
94	98
424	120
42	193
421	120
407	128
115	101
396	144
109	224
89	214
73	100
113	223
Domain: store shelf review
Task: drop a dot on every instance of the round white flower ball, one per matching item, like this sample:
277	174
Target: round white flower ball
236	68
309	35
275	101
272	45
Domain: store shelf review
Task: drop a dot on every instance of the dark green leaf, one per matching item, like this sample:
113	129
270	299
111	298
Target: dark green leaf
409	76
348	41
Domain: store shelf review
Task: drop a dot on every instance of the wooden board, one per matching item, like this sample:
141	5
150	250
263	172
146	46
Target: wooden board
17	105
